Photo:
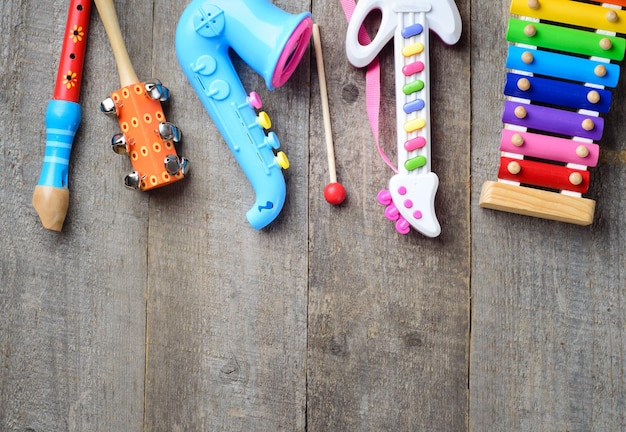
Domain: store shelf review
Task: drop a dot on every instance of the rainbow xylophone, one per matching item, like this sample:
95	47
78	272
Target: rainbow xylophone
562	62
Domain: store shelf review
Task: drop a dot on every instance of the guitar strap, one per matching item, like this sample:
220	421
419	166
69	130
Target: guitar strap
372	84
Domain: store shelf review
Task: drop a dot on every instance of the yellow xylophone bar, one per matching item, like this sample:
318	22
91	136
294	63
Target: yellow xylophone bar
573	13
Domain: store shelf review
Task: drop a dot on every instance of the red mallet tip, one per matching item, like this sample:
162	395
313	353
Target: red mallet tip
334	193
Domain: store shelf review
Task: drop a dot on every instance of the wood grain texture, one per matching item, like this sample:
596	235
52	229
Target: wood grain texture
388	329
72	304
537	203
547	322
227	304
166	311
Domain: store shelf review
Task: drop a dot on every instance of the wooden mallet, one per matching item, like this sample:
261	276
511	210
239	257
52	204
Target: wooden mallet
334	192
108	15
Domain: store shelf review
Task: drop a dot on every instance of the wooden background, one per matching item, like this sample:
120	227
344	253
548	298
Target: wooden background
166	311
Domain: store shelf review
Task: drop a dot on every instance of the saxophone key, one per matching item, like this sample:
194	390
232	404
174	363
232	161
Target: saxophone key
218	90
271	140
263	120
255	100
282	161
205	65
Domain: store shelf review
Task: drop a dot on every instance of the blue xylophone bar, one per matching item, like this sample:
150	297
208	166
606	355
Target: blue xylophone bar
563	66
553	92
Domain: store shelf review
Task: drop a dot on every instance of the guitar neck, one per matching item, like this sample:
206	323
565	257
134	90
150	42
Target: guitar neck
412	93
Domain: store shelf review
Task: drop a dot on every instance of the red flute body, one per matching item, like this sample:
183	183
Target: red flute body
69	75
63	115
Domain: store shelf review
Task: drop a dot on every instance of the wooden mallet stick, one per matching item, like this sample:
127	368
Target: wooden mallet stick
108	15
334	192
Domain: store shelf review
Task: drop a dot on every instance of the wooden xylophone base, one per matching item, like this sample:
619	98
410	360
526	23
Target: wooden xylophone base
537	203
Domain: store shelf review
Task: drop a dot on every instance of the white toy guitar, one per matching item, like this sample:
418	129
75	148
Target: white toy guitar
410	200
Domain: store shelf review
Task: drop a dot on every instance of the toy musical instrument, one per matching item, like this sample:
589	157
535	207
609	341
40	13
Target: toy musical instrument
334	192
272	42
562	62
411	195
146	136
63	115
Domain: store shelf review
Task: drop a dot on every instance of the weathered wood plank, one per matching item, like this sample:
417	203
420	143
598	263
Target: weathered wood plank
547	325
328	320
227	304
72	308
388	325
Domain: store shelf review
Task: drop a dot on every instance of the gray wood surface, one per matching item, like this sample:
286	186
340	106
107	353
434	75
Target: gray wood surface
166	311
547	339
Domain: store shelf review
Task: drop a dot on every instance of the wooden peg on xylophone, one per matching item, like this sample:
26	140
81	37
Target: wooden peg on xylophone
611	16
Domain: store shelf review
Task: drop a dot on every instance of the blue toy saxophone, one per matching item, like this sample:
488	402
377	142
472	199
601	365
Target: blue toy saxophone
272	42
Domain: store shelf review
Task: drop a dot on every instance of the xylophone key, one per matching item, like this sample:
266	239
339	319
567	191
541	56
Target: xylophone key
554	92
544	175
563	66
570	40
572	13
549	147
553	120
